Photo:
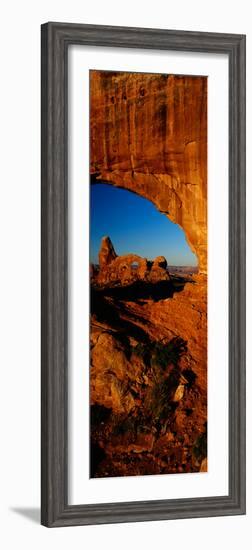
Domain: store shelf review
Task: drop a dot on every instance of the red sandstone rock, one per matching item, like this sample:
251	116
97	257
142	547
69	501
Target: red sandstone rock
107	252
149	135
126	269
123	270
160	261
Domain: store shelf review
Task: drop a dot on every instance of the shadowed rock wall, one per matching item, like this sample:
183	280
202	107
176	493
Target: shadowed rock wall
148	134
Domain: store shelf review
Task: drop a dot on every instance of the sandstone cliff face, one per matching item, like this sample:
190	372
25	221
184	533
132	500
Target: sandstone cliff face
149	135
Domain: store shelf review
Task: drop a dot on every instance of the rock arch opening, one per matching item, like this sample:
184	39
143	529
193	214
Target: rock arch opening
148	326
137	230
154	144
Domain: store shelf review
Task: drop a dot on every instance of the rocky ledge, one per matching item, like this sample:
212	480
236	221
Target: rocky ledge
148	368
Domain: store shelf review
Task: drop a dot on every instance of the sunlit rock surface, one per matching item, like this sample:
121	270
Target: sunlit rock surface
126	269
148	377
148	134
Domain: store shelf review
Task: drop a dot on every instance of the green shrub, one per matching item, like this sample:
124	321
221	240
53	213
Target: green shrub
126	425
159	404
200	446
140	350
160	354
165	354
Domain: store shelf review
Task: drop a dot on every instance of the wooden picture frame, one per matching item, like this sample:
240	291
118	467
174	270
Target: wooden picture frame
56	37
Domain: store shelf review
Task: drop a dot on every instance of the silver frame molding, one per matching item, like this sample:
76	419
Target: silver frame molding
56	37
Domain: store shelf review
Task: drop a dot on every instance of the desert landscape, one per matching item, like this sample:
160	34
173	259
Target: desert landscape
148	318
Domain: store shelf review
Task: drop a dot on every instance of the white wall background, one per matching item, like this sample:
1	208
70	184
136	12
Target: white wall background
20	273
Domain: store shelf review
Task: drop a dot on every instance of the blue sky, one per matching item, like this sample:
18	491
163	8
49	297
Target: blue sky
135	226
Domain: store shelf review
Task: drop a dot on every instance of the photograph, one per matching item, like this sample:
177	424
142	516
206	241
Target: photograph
148	273
143	274
123	275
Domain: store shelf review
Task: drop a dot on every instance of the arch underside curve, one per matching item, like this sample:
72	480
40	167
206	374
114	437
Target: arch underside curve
149	136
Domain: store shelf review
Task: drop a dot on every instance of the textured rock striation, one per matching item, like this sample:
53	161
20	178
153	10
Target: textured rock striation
149	135
149	382
148	339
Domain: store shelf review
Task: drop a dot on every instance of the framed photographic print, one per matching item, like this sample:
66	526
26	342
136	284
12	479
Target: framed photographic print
143	274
